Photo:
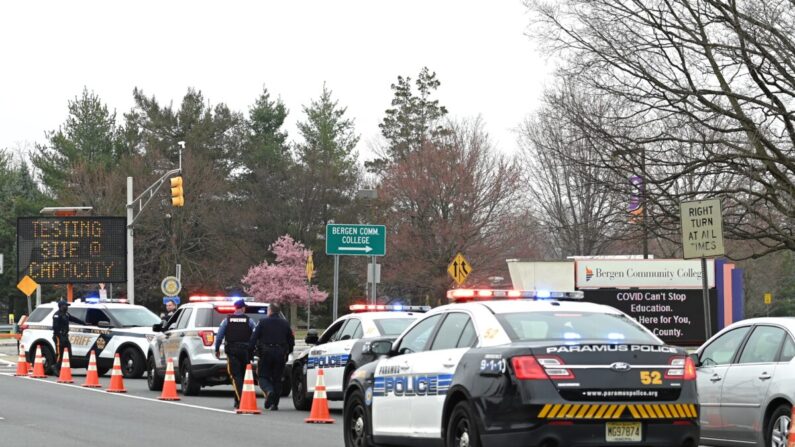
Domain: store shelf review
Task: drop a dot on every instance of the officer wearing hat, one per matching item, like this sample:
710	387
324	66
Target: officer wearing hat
60	333
236	330
274	340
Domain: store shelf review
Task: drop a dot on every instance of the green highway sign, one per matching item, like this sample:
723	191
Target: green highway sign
355	240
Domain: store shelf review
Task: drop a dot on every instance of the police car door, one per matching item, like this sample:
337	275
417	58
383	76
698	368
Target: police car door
86	336
172	338
337	354
432	372
391	398
317	354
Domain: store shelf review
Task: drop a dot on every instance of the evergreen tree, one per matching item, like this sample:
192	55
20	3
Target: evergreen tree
413	119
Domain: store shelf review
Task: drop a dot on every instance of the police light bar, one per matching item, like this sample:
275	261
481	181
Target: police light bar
215	298
387	308
463	295
105	300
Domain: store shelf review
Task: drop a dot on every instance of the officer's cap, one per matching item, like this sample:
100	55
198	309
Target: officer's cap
63	303
239	304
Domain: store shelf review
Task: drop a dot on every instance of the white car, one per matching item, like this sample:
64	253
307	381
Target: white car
745	376
332	350
107	327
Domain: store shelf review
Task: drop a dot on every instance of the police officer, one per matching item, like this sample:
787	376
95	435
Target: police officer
236	329
171	307
274	340
60	333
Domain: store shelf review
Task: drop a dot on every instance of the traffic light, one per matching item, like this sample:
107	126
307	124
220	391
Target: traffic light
177	197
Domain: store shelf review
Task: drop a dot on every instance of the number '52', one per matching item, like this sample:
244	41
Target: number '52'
650	378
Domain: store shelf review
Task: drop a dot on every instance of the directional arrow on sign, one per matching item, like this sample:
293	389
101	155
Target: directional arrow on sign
367	249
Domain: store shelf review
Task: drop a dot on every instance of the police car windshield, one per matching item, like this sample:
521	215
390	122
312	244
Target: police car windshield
392	326
133	317
573	326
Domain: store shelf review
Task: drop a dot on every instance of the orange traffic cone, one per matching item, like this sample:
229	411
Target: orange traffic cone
248	401
320	413
92	378
66	369
169	385
22	363
116	381
38	365
791	434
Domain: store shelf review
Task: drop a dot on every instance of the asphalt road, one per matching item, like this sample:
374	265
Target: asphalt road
37	412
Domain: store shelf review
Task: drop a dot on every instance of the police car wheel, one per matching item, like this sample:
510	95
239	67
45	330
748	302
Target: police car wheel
462	430
355	421
778	426
153	380
301	400
132	363
188	384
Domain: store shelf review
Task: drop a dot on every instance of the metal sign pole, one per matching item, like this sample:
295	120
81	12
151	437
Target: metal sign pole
336	287
707	313
130	247
372	289
38	296
308	304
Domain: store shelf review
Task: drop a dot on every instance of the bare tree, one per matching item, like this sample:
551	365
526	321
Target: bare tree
705	93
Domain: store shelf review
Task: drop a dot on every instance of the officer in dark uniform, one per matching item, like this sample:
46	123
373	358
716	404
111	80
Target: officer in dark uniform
60	333
274	340
236	329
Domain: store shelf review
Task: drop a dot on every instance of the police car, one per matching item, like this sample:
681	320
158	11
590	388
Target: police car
188	337
332	350
529	369
105	326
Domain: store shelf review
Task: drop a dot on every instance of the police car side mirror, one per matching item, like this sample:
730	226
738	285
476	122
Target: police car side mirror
103	323
378	347
311	338
157	327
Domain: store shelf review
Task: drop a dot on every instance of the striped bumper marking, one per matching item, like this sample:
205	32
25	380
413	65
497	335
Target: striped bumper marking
616	411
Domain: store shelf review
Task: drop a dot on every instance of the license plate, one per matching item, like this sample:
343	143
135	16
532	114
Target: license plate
623	432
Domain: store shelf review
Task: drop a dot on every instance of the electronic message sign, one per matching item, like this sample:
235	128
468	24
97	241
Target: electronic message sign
59	250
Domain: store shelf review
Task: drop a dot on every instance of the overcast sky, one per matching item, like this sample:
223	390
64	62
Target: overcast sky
229	50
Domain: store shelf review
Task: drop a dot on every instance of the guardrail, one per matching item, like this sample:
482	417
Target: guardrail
5	327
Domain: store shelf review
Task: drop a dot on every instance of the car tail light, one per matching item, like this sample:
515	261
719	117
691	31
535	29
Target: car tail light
682	368
208	337
553	367
23	327
527	368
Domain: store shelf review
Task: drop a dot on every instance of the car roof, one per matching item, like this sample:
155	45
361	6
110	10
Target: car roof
82	305
788	322
511	306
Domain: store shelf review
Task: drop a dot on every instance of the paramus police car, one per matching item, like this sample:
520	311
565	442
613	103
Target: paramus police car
529	369
332	351
106	327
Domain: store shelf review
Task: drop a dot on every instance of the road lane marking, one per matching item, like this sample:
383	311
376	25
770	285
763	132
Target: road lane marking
198	407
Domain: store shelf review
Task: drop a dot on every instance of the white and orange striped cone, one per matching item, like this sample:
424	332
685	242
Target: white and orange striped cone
38	365
170	384
791	434
66	369
116	381
320	413
22	363
248	401
92	377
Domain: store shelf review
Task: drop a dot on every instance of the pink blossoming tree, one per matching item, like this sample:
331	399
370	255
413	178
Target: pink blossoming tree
284	281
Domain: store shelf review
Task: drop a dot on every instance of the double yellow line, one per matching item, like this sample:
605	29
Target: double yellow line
615	411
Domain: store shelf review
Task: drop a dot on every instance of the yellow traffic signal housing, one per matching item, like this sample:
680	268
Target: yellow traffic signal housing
177	197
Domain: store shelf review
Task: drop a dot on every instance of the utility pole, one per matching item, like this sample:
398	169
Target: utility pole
140	203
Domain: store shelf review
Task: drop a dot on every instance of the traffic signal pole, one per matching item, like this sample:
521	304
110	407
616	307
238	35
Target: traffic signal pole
140	203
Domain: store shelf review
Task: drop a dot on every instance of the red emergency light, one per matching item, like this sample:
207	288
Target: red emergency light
464	295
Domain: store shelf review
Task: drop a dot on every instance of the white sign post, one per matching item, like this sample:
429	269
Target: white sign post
702	237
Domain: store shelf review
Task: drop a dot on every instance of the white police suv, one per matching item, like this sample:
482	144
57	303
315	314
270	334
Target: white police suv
107	327
188	337
507	367
332	351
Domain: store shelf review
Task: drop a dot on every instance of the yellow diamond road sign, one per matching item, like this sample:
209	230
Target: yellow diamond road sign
459	269
27	285
310	268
